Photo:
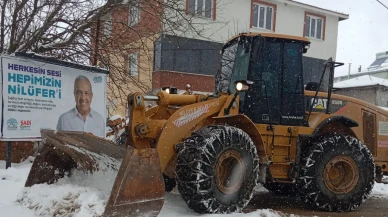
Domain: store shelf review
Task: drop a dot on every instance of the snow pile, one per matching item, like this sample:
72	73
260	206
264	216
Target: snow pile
12	181
63	200
102	179
380	190
115	117
83	194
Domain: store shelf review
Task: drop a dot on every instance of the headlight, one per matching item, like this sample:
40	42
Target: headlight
239	86
243	85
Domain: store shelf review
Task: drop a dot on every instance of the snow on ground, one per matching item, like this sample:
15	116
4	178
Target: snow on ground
66	200
380	190
115	117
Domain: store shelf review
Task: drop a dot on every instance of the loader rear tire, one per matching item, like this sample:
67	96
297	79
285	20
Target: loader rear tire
203	170
337	173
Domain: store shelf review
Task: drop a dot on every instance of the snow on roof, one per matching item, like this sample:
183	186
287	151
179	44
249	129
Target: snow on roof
382	68
385	108
365	80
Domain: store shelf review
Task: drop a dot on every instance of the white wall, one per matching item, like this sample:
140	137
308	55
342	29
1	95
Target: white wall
233	16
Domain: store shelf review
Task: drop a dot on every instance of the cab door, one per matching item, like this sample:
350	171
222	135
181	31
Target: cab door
276	95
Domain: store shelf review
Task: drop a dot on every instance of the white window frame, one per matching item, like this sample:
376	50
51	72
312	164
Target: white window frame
265	16
203	14
316	27
134	14
133	64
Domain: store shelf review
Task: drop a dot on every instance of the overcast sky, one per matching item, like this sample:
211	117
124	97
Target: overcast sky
363	35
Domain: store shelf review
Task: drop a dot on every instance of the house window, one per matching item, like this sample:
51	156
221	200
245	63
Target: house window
263	16
204	8
315	26
134	13
133	64
107	26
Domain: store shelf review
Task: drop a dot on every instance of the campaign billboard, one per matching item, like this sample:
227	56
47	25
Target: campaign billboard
44	95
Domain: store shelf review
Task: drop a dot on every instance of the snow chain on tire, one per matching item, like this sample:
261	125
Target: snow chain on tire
198	160
331	156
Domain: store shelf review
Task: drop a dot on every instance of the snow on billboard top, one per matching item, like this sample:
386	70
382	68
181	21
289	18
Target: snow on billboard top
362	81
45	94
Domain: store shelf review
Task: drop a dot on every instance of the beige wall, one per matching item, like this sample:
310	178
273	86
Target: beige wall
120	83
376	95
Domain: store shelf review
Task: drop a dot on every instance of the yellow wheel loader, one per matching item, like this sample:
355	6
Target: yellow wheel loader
261	125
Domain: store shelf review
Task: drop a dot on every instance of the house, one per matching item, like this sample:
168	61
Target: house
371	89
378	68
175	57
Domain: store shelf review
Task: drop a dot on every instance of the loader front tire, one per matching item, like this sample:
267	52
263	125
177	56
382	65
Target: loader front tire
337	173
204	165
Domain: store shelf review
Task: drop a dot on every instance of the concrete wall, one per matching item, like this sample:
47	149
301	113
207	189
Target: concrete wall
234	16
382	96
367	94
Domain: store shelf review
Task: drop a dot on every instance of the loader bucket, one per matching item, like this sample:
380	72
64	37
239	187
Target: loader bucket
136	187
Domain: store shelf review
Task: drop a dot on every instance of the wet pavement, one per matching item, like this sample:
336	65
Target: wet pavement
372	207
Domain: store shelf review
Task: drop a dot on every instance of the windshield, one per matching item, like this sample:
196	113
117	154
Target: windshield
234	65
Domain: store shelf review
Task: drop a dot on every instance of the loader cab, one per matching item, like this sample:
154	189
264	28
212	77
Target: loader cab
274	63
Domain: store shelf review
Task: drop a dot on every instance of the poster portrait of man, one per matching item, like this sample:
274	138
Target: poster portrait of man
82	117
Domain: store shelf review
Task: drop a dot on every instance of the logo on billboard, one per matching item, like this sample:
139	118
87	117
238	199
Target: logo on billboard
25	125
97	79
12	124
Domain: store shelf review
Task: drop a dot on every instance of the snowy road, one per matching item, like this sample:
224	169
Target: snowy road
74	201
375	206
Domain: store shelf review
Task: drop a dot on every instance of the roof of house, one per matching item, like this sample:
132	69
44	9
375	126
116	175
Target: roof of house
362	81
383	68
342	16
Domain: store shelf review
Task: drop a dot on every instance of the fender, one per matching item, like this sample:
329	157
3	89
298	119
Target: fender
341	119
180	125
244	123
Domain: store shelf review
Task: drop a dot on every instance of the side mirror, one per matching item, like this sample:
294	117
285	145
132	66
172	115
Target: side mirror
312	86
243	85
